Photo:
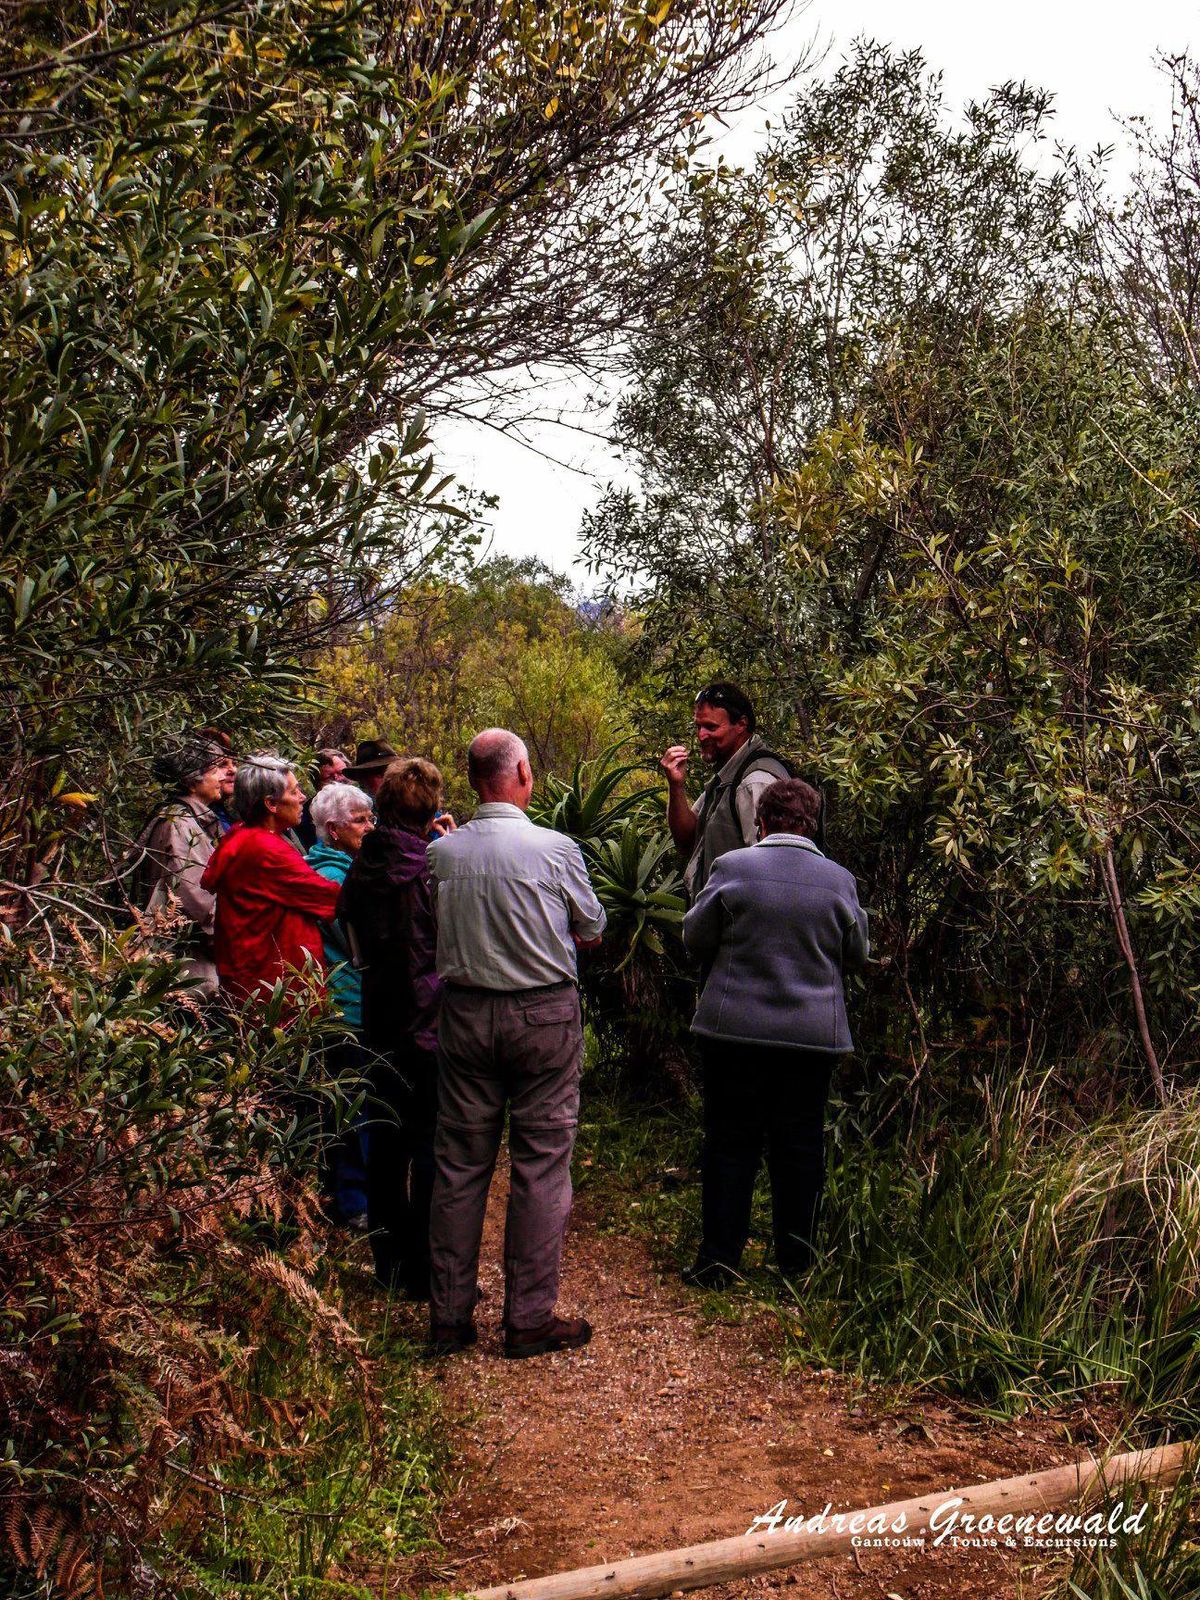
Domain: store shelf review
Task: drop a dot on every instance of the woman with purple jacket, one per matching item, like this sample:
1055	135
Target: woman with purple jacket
387	904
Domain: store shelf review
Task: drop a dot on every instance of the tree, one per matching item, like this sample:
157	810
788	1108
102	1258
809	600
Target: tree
506	646
782	288
1146	244
243	247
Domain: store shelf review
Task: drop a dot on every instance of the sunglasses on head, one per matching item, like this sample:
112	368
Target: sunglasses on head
720	700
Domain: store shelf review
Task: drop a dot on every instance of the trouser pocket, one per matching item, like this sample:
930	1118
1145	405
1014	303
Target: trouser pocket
543	1052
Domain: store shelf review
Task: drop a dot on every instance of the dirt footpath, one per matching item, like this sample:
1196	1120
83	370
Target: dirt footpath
670	1429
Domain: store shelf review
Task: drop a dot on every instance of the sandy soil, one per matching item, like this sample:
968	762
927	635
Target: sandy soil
671	1428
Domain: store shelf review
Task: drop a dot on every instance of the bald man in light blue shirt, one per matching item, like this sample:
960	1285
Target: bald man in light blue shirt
514	904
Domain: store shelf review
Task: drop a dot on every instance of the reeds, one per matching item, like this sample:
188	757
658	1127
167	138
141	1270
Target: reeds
1024	1256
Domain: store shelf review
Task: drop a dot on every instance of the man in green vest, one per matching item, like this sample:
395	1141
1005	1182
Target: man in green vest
722	819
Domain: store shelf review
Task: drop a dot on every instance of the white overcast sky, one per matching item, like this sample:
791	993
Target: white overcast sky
1098	59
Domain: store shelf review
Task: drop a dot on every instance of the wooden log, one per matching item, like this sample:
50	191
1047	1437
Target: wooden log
701	1565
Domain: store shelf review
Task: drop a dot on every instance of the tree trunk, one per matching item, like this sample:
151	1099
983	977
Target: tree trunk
1112	889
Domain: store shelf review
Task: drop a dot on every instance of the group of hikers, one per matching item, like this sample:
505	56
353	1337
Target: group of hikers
451	953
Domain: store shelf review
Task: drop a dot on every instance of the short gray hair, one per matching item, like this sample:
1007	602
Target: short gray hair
492	755
260	778
789	805
333	804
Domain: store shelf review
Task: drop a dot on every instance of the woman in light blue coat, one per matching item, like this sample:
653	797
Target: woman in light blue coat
342	816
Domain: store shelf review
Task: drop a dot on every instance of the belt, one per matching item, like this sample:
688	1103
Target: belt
519	994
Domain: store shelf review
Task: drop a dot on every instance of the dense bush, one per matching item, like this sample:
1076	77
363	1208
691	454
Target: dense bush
904	472
156	1232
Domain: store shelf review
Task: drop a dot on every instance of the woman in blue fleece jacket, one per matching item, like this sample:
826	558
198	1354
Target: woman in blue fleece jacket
343	816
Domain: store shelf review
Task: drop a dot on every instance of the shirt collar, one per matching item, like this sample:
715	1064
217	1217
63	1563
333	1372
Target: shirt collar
754	742
498	810
203	811
792	838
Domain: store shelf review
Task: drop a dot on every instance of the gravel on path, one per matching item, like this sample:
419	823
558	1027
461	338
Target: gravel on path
673	1427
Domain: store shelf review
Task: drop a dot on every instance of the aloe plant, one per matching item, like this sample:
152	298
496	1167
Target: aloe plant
591	804
640	887
636	989
628	853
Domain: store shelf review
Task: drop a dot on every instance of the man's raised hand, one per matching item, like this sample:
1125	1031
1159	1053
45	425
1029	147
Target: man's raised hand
674	764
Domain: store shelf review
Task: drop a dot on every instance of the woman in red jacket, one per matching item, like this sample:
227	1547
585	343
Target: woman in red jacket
269	900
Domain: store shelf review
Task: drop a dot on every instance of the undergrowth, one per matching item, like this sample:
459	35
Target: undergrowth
196	1397
332	1517
1161	1563
1011	1254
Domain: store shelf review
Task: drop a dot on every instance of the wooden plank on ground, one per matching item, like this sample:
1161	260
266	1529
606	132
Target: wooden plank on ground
703	1565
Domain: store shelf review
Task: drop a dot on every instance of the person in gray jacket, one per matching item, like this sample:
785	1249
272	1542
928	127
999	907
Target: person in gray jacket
168	858
777	926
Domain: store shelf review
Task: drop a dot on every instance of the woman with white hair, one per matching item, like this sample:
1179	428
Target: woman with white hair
341	817
270	902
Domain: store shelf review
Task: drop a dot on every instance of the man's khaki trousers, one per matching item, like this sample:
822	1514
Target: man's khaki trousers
523	1050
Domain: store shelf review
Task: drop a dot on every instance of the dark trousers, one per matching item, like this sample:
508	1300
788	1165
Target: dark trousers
401	1113
343	1149
758	1096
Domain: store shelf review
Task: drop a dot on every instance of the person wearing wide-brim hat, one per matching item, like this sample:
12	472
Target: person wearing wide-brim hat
372	758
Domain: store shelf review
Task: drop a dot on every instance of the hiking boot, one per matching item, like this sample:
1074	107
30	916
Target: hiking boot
560	1333
709	1275
447	1338
790	1273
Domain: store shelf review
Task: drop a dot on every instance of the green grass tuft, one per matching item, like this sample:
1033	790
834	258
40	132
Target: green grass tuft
358	1494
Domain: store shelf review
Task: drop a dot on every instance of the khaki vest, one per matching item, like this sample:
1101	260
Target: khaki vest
718	824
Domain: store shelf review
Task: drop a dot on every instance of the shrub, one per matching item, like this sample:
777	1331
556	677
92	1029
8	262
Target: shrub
155	1160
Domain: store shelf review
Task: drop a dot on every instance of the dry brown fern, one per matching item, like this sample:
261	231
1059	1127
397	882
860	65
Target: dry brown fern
75	1574
44	1539
127	1367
